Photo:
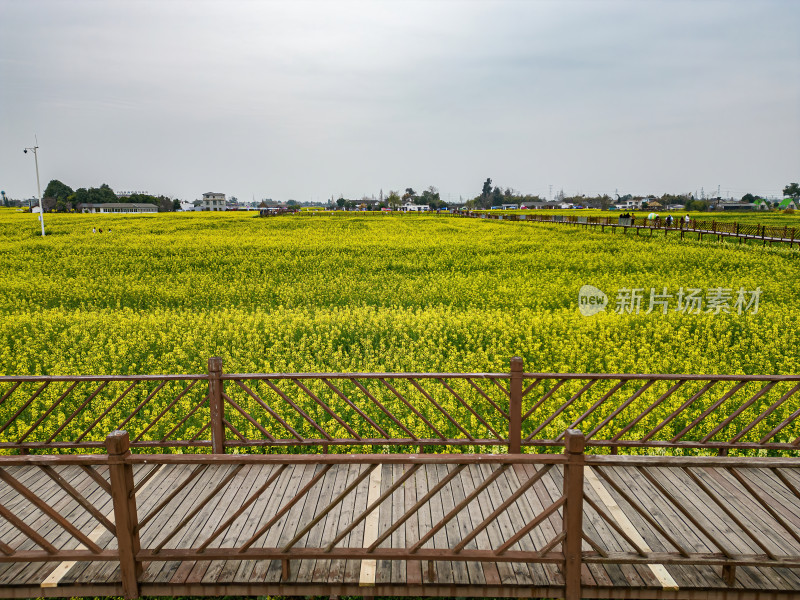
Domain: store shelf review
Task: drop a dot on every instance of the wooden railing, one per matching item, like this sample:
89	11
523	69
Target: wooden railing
719	229
560	509
402	411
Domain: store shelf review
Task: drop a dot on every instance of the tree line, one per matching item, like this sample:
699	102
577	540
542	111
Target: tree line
394	200
59	197
495	196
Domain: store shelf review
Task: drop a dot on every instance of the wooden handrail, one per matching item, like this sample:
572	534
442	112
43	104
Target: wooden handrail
304	410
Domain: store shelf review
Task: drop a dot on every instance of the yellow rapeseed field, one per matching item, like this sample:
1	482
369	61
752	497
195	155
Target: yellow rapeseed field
162	293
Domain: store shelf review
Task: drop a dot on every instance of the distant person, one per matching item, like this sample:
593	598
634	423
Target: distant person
686	219
94	230
101	231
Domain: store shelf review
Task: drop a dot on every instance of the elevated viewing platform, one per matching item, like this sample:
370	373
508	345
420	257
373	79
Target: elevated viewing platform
426	484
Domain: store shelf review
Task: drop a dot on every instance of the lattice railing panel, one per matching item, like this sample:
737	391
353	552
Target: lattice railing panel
368	410
65	411
643	410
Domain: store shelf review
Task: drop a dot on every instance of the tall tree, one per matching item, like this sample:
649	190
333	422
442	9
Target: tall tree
432	198
393	199
487	188
497	196
58	194
792	191
164	204
56	189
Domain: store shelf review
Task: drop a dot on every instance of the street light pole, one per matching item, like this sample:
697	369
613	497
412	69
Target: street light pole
38	186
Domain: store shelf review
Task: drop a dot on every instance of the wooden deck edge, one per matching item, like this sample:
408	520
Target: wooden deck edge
418	590
76	590
462	591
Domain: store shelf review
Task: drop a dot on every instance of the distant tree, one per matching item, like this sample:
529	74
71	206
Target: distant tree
432	198
697	205
393	199
487	188
56	189
57	194
497	196
164	204
51	204
292	203
101	195
410	195
792	191
176	204
79	196
341	202
748	198
106	193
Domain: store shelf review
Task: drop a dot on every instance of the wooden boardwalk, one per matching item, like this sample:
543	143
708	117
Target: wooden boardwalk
213	527
487	517
718	229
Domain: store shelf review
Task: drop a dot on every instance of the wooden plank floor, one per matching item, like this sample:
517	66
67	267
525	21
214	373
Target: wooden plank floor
340	576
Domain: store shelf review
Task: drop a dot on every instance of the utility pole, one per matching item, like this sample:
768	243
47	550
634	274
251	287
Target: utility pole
38	187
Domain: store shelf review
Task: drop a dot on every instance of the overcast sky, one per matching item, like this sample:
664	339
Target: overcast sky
306	100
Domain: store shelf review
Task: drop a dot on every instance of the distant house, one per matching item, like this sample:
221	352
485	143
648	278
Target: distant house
788	203
118	208
510	206
736	206
411	207
539	205
634	204
761	204
213	201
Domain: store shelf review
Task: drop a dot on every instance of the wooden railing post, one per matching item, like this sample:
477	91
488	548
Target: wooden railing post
215	405
515	406
574	443
125	517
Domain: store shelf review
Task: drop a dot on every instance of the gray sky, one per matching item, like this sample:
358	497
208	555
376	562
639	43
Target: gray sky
306	100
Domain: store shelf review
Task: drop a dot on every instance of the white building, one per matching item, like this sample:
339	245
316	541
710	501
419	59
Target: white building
632	204
213	201
411	207
118	208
